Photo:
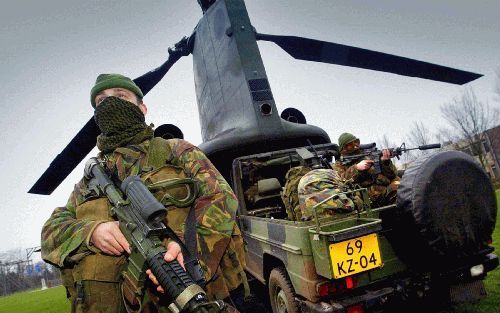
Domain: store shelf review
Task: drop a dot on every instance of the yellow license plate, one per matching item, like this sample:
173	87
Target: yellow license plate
355	256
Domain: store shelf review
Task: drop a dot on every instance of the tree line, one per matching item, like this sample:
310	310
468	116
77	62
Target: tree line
467	118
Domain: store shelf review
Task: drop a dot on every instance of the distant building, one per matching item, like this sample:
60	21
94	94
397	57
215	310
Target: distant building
489	144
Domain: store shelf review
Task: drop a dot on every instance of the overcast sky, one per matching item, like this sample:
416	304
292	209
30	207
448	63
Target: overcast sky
51	52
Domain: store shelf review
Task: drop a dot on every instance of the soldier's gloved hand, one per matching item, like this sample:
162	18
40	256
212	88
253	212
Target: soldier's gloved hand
386	154
108	238
173	253
364	165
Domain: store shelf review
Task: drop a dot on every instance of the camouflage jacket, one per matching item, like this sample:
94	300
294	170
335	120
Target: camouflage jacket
66	238
368	178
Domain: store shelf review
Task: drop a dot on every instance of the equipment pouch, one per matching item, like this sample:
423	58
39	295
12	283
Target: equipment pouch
132	291
77	305
96	296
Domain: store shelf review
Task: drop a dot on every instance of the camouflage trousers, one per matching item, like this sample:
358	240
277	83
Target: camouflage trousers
383	195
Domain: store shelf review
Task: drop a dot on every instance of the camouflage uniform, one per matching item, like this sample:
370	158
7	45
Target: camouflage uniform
96	276
320	184
382	188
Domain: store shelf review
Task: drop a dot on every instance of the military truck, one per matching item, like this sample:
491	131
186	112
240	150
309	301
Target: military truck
435	242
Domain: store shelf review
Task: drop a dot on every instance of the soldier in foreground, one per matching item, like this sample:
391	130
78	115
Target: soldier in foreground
382	187
84	240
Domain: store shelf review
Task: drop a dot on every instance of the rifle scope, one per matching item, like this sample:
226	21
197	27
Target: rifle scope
150	209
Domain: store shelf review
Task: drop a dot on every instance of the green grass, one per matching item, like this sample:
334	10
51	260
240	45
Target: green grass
52	300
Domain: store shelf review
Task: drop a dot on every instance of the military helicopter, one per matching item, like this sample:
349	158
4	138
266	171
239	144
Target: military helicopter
237	111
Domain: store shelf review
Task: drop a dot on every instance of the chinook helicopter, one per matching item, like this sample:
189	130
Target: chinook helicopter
241	128
237	111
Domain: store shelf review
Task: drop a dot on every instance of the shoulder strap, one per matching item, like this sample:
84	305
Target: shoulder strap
159	152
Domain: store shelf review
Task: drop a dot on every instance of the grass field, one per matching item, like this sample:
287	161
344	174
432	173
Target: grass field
53	300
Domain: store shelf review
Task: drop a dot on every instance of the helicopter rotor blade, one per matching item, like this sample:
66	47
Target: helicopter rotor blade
85	140
182	48
334	53
67	160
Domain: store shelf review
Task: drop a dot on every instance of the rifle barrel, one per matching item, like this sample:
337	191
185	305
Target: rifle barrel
431	146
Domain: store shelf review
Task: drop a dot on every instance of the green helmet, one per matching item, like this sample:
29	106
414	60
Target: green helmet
346	138
106	81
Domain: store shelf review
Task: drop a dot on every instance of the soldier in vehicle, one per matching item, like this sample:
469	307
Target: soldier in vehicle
318	185
381	187
83	239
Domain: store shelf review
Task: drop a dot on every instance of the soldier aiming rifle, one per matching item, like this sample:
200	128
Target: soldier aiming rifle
371	153
371	168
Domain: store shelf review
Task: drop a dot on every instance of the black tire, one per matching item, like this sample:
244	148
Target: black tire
446	210
281	292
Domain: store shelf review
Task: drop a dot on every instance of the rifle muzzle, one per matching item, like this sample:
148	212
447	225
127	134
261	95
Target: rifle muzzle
431	146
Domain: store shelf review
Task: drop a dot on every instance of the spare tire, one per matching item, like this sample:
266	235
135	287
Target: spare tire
446	210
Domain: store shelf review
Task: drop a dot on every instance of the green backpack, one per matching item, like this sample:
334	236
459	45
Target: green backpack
290	195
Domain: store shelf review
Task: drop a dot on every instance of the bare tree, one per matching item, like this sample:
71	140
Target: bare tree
469	117
446	137
11	255
418	135
384	142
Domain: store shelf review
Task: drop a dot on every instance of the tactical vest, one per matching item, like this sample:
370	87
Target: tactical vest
171	187
167	182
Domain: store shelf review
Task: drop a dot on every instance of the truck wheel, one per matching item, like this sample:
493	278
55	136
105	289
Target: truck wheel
281	293
446	210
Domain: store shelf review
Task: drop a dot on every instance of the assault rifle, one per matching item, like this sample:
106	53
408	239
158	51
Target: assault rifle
370	152
140	217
